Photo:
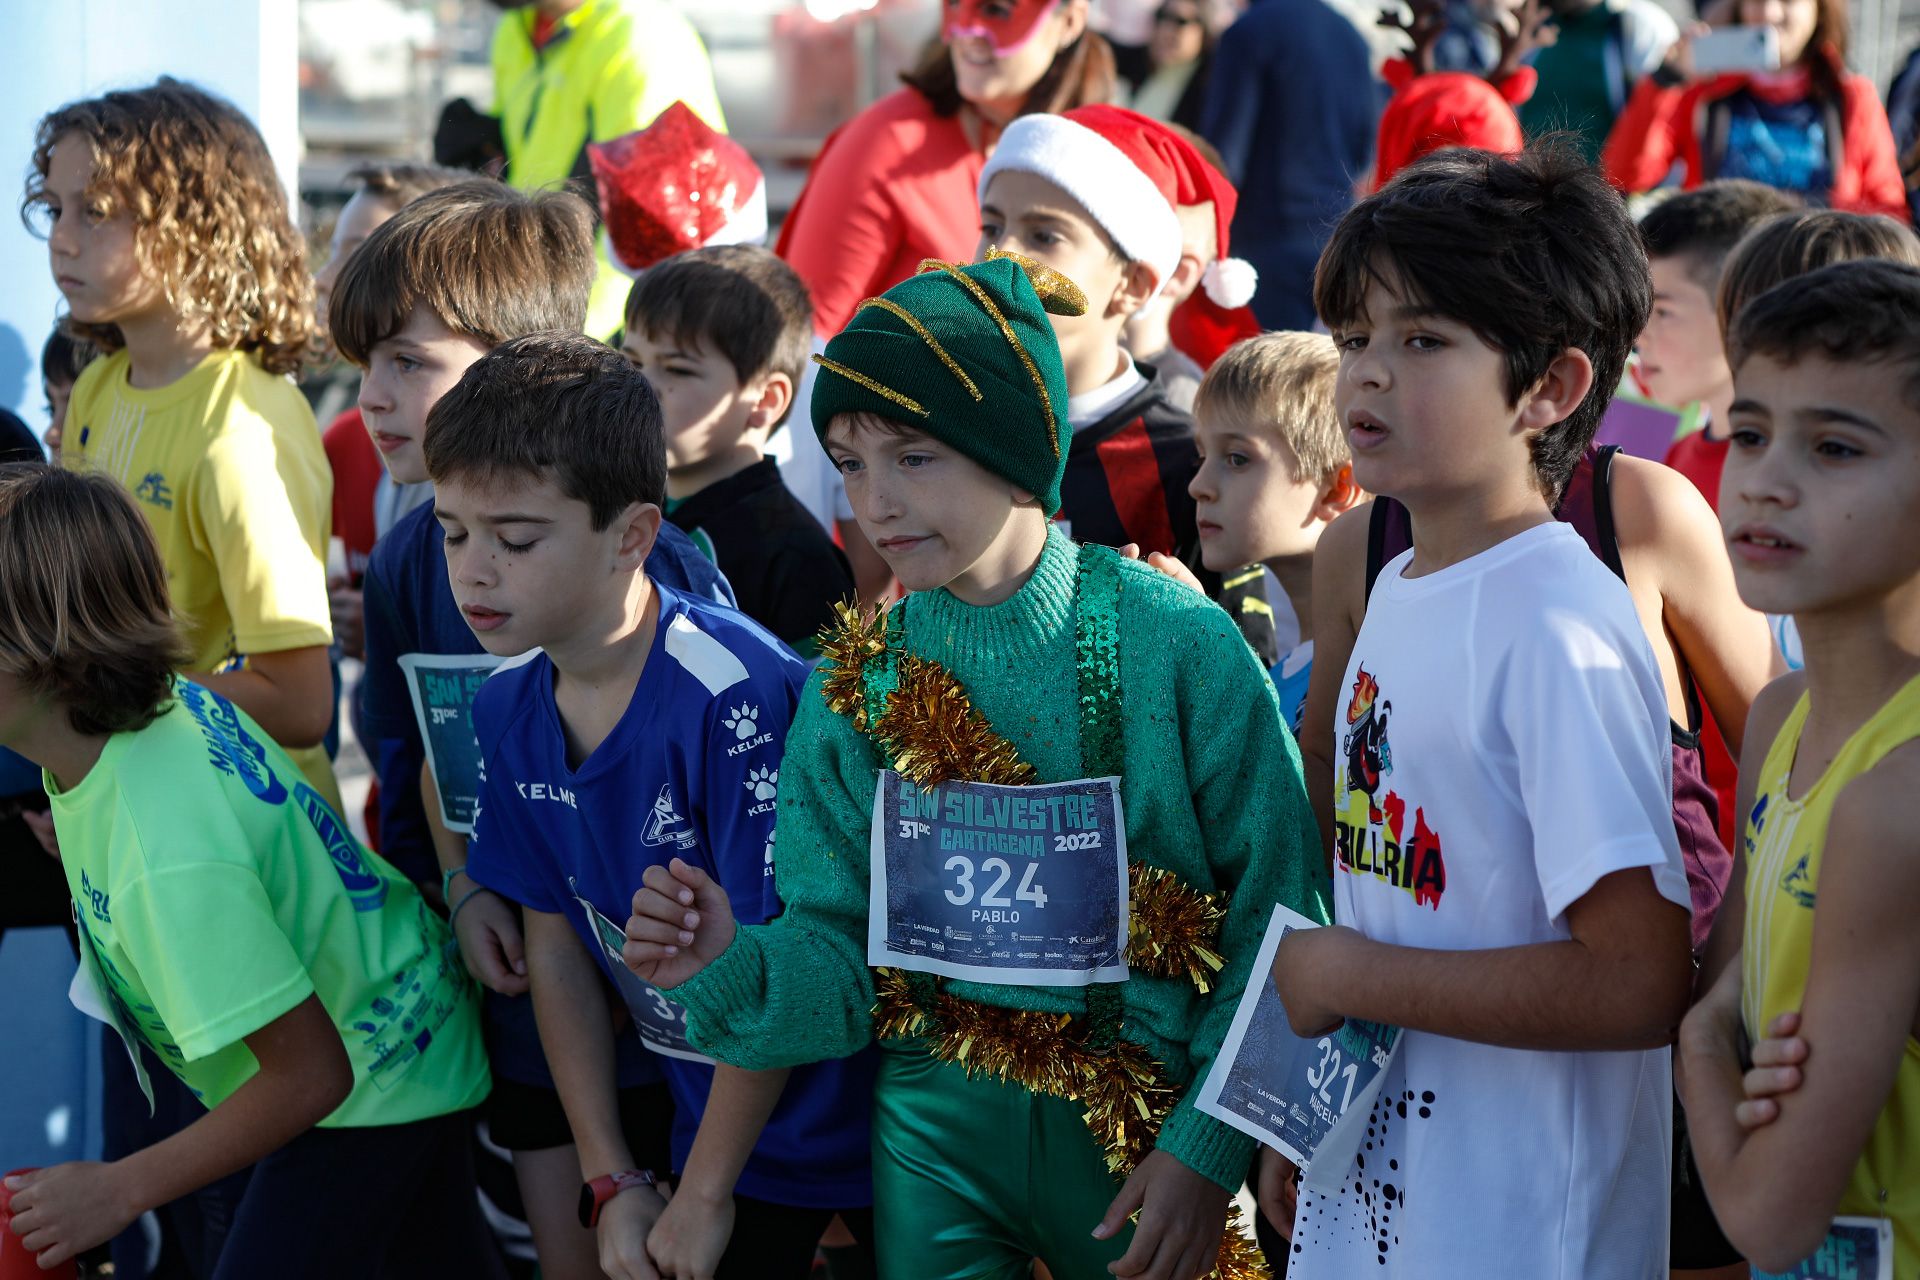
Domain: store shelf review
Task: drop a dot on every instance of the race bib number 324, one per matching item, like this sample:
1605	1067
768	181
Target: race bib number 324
1025	886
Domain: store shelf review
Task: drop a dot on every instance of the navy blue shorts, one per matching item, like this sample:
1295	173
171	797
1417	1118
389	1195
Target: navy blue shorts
390	1201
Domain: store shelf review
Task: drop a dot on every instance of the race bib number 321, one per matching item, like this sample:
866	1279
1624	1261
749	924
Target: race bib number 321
1306	1097
1025	886
660	1022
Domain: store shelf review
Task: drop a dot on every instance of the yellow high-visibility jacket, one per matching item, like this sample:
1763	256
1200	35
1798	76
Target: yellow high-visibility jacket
607	68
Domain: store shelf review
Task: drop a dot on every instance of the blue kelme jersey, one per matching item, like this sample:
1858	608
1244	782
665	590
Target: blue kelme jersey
691	771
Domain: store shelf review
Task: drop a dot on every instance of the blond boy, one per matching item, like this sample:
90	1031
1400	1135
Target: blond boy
1274	470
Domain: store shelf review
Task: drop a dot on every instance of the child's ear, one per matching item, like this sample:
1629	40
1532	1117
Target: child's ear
1559	392
639	525
776	394
1339	496
1185	278
1073	21
1137	282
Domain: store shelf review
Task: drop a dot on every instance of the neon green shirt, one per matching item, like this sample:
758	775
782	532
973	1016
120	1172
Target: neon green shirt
607	68
217	891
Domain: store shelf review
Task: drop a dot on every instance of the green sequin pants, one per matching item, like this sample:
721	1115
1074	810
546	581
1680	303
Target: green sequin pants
973	1179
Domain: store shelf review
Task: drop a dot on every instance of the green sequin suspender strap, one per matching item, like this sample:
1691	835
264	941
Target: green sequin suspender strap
1096	653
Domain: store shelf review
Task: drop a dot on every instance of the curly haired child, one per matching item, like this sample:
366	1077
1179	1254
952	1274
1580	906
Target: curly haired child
169	236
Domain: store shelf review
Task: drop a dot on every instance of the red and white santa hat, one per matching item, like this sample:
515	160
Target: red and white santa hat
676	185
1129	172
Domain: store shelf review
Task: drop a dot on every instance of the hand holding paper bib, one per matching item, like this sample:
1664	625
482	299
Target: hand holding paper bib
1302	955
1290	1071
681	923
659	1021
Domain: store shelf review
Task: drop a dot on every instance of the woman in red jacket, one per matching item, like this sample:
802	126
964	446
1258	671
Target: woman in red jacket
1811	128
896	184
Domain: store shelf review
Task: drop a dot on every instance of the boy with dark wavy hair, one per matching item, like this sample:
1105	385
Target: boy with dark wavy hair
1507	883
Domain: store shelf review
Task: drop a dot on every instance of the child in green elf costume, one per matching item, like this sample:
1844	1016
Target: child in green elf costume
1029	1101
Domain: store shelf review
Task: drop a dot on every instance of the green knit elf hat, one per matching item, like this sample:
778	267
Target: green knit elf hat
967	355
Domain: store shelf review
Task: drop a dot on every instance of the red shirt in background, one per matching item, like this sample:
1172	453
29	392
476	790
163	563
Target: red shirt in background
1699	458
1694	456
892	186
356	470
1661	126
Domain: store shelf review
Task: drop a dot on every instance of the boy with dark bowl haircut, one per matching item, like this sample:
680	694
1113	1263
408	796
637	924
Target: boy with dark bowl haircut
722	335
649	727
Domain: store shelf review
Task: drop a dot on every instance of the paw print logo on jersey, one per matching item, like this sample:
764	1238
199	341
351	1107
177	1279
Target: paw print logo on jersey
764	783
769	857
743	722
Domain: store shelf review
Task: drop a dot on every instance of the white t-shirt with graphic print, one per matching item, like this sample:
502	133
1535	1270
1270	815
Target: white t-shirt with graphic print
1501	745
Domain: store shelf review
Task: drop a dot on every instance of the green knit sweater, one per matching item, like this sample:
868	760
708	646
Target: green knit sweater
1211	792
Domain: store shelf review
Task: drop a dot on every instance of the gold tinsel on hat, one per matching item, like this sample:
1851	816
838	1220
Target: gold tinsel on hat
1124	1094
1058	295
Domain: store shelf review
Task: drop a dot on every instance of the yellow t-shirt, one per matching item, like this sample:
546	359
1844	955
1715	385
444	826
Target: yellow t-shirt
1786	839
226	464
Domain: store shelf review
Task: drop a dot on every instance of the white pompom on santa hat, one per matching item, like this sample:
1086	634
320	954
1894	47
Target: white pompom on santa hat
1129	172
1230	282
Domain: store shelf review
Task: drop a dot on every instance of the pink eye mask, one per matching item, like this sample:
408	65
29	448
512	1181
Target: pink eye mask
1007	33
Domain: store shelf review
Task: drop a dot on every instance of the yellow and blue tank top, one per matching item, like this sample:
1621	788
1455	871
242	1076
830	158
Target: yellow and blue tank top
1786	838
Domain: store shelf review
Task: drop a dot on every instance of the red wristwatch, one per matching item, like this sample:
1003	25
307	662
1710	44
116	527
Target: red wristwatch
595	1194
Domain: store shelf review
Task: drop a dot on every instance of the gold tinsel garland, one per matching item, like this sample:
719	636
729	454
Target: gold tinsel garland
1169	926
928	728
846	645
938	737
1123	1091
